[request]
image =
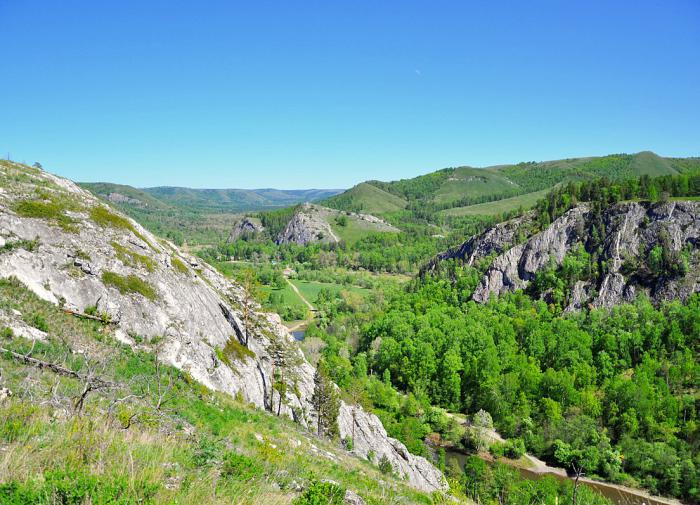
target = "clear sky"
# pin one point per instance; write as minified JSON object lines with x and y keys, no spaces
{"x":299,"y":94}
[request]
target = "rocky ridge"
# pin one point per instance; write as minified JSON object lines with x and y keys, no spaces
{"x":630,"y":231}
{"x":311,"y":223}
{"x":71,"y":250}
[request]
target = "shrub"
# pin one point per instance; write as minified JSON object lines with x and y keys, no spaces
{"x":129,"y":284}
{"x":321,"y":493}
{"x":237,"y":351}
{"x":37,"y":321}
{"x":385,"y":465}
{"x":206,"y":452}
{"x":240,"y":467}
{"x":515,"y":448}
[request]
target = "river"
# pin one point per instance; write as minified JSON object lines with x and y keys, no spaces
{"x":620,"y":495}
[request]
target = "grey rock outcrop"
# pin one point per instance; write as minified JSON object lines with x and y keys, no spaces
{"x":192,"y":311}
{"x":629,"y":231}
{"x":245,"y":227}
{"x":312,"y":223}
{"x":495,"y":240}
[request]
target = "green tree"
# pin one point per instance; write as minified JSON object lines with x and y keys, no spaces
{"x":326,"y":402}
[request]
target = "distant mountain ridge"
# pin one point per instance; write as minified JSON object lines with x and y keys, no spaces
{"x":210,"y":200}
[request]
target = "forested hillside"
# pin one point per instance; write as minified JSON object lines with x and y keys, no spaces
{"x":465,"y":186}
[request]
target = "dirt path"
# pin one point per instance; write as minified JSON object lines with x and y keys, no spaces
{"x":307,"y":321}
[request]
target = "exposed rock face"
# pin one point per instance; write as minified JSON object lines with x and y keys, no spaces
{"x":311,"y":223}
{"x":193,"y":309}
{"x":306,"y":226}
{"x":120,"y":198}
{"x":246,"y":226}
{"x":495,"y":240}
{"x":630,"y":231}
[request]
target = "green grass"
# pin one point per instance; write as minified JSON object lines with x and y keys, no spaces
{"x":468,"y":182}
{"x":52,"y":211}
{"x":648,"y":163}
{"x":366,"y":198}
{"x":108,"y":219}
{"x":354,"y":230}
{"x":499,"y":206}
{"x":178,"y":265}
{"x":126,"y":284}
{"x":27,"y":245}
{"x":133,"y":259}
{"x":311,"y":289}
{"x":289,"y":297}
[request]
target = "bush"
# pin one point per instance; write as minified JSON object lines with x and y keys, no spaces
{"x":321,"y":493}
{"x":38,"y":322}
{"x":240,"y":467}
{"x":385,"y":465}
{"x":236,"y":351}
{"x":129,"y":284}
{"x":206,"y":452}
{"x":515,"y":448}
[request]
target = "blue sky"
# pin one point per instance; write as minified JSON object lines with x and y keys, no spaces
{"x":327,"y":93}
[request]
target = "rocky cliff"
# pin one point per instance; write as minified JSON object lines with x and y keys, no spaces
{"x":245,"y":227}
{"x":314,"y":223}
{"x":624,"y":236}
{"x":73,"y":251}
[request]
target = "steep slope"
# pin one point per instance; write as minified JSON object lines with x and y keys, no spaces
{"x":72,"y":251}
{"x":314,"y":223}
{"x":645,"y":248}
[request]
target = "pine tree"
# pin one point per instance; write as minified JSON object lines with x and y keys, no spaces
{"x":326,"y":402}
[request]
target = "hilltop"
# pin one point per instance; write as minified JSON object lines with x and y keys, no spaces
{"x":457,"y":191}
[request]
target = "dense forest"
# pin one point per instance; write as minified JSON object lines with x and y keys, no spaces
{"x":612,"y":393}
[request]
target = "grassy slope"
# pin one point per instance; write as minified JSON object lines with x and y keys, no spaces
{"x":354,"y":229}
{"x":472,"y":182}
{"x":201,"y":447}
{"x":648,"y":163}
{"x":366,"y":198}
{"x":499,"y":206}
